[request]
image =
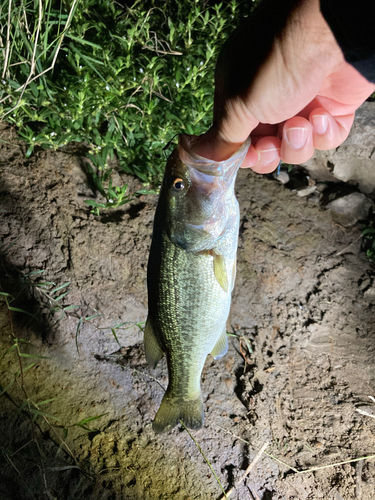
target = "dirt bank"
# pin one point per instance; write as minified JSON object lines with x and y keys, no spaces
{"x":304,"y":301}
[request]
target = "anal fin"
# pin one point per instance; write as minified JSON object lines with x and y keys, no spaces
{"x":221,"y":346}
{"x":153,"y":351}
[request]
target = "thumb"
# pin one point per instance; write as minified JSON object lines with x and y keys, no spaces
{"x":222,"y":140}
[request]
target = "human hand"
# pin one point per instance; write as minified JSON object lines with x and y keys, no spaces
{"x":286,"y":83}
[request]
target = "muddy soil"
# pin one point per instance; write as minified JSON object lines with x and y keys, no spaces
{"x":300,"y":364}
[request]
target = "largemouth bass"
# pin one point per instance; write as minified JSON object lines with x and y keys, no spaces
{"x":190,"y":276}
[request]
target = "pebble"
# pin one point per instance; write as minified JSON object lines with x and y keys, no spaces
{"x":282,"y":177}
{"x":321,"y":186}
{"x":306,"y":191}
{"x":351,"y":208}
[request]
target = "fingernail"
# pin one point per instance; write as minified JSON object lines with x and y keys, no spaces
{"x":268,"y":156}
{"x":320,"y":123}
{"x":297,"y":137}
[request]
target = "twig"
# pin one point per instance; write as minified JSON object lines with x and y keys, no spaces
{"x":118,"y":128}
{"x":363,"y":412}
{"x":247,"y":471}
{"x":158,"y":51}
{"x":254,"y":493}
{"x":358,"y":481}
{"x":352,"y":460}
{"x":33,"y":60}
{"x":225,"y":495}
{"x":346,"y":248}
{"x":268,"y":454}
{"x":8,"y":40}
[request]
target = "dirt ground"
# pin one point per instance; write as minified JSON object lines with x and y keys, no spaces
{"x":303,"y":304}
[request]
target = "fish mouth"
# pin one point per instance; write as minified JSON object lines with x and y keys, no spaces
{"x":224,"y":168}
{"x":210,"y":202}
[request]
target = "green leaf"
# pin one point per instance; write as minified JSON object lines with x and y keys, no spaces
{"x":6,"y":389}
{"x":69,"y":308}
{"x":43,"y":414}
{"x":32,"y":273}
{"x":60,"y":296}
{"x":28,"y":367}
{"x":83,"y":41}
{"x":14,"y":346}
{"x":46,"y":401}
{"x":114,"y":334}
{"x":93,"y":316}
{"x":83,"y":423}
{"x":36,"y":356}
{"x":17,"y":309}
{"x":94,"y":203}
{"x":60,"y":287}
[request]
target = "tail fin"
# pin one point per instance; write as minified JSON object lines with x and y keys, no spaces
{"x":173,"y":409}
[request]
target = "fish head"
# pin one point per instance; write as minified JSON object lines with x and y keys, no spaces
{"x":199,"y":195}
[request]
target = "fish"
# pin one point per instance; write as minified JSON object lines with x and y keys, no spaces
{"x":190,"y":276}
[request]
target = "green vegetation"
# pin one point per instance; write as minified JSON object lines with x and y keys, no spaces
{"x":120,"y":80}
{"x":368,"y":244}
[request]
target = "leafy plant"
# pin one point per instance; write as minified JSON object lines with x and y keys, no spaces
{"x":115,"y":196}
{"x":122,"y":80}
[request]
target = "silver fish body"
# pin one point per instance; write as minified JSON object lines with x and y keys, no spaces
{"x":190,"y":277}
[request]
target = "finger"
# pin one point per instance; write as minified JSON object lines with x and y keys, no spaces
{"x":334,"y":108}
{"x":251,"y":159}
{"x":214,"y":147}
{"x":227,"y":134}
{"x":297,"y":141}
{"x":265,"y":130}
{"x":263,"y":156}
{"x":328,"y":131}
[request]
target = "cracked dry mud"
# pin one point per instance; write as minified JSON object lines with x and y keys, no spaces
{"x":304,"y":300}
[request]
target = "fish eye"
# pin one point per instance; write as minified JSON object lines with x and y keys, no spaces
{"x":178,"y":184}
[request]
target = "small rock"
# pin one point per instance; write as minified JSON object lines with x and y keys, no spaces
{"x":335,"y":495}
{"x":282,"y":177}
{"x":321,"y":186}
{"x":311,"y":181}
{"x":350,"y":208}
{"x":228,"y":381}
{"x":369,"y":294}
{"x":306,"y":191}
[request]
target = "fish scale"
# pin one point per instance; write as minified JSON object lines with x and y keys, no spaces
{"x":190,"y":276}
{"x":197,"y":308}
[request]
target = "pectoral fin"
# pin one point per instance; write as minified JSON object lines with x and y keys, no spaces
{"x":234,"y":273}
{"x":221,"y":272}
{"x":153,"y":351}
{"x":221,"y":346}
